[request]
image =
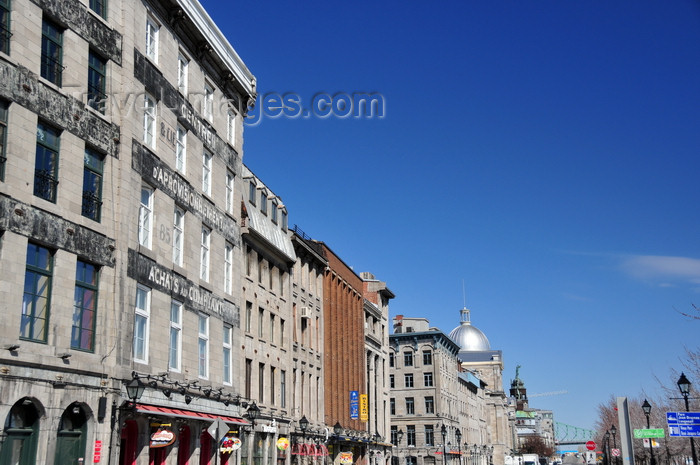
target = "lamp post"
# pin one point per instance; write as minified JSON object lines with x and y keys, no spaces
{"x":443,"y":430}
{"x":646,"y":407}
{"x":606,"y":447}
{"x":458,"y":435}
{"x":613,"y":431}
{"x":399,"y":436}
{"x":684,"y":386}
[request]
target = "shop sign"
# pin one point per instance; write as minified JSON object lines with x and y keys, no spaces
{"x":364,"y":408}
{"x":229,"y":444}
{"x":98,"y":452}
{"x":345,"y":458}
{"x":269,"y":429}
{"x":163,"y":437}
{"x":283,"y":443}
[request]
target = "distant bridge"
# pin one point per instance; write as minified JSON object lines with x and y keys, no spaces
{"x":571,"y":435}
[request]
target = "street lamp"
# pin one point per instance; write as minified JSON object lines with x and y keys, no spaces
{"x":337,"y":428}
{"x":253,"y":412}
{"x":458,"y":435}
{"x":606,"y":447}
{"x":684,"y":386}
{"x":135,"y":390}
{"x":443,"y":430}
{"x":303,"y":424}
{"x":646,"y":407}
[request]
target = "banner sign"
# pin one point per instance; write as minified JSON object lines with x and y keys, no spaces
{"x":354,"y":405}
{"x":162,"y":438}
{"x":364,"y":408}
{"x":345,"y":458}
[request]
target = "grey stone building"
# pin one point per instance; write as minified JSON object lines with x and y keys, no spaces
{"x":120,"y":233}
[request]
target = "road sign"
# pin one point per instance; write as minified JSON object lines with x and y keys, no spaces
{"x":683,"y":424}
{"x":616,"y":452}
{"x":649,"y":433}
{"x":217,"y":429}
{"x":590,"y":445}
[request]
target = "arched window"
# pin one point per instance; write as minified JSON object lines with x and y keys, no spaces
{"x":72,"y":435}
{"x":22,"y":429}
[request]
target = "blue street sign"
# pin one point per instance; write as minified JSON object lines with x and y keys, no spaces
{"x":683,"y":424}
{"x":354,"y":405}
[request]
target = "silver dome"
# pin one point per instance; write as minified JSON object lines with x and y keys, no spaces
{"x":468,"y":337}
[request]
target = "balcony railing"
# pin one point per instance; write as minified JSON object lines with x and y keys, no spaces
{"x":45,"y":185}
{"x":92,"y":205}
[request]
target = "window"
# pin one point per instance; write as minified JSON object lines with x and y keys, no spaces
{"x":392,"y":406}
{"x":208,"y":101}
{"x":229,"y":192}
{"x":408,"y":380}
{"x":206,"y":173}
{"x":178,"y":235}
{"x":37,"y":293}
{"x":429,"y":404}
{"x":206,"y":238}
{"x":273,"y":387}
{"x":261,"y":321}
{"x":84,"y":307}
{"x":203,"y":346}
{"x":181,"y":150}
{"x":428,"y":379}
{"x":251,"y":193}
{"x":3,"y":133}
{"x":149,"y":121}
{"x":152,"y":28}
{"x":261,"y":382}
{"x":391,"y":381}
{"x":248,"y":315}
{"x":182,"y":69}
{"x":99,"y":7}
{"x":273,"y":211}
{"x":283,"y":388}
{"x":46,"y":165}
{"x":228,"y":268}
{"x":141,"y":323}
{"x":284,"y":220}
{"x":5,"y":33}
{"x":263,"y":203}
{"x":146,"y":217}
{"x":411,"y":435}
{"x":272,"y":328}
{"x":281,"y":331}
{"x":51,"y":52}
{"x":228,"y":331}
{"x":231,"y":127}
{"x":394,"y":435}
{"x":175,"y":336}
{"x":97,"y":82}
{"x":408,"y":359}
{"x":410,"y":406}
{"x":429,"y":435}
{"x":391,"y":359}
{"x":427,"y":357}
{"x":92,"y":184}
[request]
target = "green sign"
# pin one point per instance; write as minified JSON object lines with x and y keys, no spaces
{"x":649,"y":433}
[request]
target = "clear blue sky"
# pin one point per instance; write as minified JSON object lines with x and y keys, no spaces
{"x":543,"y":153}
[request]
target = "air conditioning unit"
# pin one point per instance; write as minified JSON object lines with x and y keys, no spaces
{"x":305,"y":312}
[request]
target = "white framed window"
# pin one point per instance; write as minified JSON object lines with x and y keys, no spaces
{"x":149,"y":121}
{"x":146,"y":217}
{"x":142,"y":313}
{"x":206,"y":172}
{"x":178,"y":235}
{"x":208,"y":109}
{"x":152,"y":30}
{"x":203,"y":346}
{"x":206,"y":239}
{"x":181,"y":150}
{"x":182,"y":70}
{"x":228,"y":336}
{"x":231,"y":127}
{"x":228,"y":268}
{"x":174,"y":357}
{"x":229,"y":192}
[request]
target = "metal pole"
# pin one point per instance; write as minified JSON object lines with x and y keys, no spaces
{"x":692,"y":443}
{"x":651,"y":448}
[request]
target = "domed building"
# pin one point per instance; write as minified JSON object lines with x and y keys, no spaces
{"x":477,"y":357}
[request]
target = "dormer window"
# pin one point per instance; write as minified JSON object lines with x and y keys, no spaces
{"x":284,"y":220}
{"x":263,"y":202}
{"x":273,"y":213}
{"x":251,"y":193}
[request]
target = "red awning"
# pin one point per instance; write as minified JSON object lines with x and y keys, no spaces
{"x":178,"y":413}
